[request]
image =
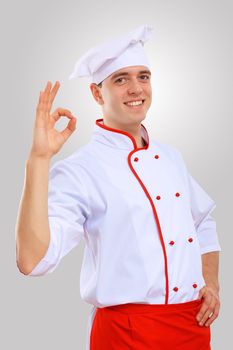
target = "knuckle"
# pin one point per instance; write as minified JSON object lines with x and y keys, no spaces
{"x":68,"y":113}
{"x":60,"y":109}
{"x":67,"y":110}
{"x":42,"y":103}
{"x":39,"y":108}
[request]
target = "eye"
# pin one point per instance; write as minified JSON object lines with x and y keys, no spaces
{"x":118,"y":80}
{"x":144,"y":75}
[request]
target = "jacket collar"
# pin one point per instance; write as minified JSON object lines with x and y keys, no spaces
{"x":117,"y":138}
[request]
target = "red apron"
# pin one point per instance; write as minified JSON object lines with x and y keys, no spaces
{"x":149,"y":327}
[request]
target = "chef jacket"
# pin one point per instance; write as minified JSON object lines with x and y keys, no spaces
{"x":144,"y":219}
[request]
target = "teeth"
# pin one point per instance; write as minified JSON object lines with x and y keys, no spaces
{"x":136,"y":103}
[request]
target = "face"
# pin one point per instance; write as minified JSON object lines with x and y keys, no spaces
{"x":123,"y":86}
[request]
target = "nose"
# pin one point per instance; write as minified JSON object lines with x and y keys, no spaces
{"x":135,"y":87}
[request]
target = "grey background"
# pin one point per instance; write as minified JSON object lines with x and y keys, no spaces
{"x":191,"y":55}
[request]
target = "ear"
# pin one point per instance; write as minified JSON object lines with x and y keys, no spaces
{"x":96,"y":92}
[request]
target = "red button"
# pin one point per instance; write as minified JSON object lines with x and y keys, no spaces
{"x":171,"y":243}
{"x":194,"y":285}
{"x":177,"y":194}
{"x":175,"y":289}
{"x":190,"y":239}
{"x":158,"y":197}
{"x":156,"y":156}
{"x":136,"y":159}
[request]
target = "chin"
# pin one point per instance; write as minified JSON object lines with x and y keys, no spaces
{"x":138,"y":118}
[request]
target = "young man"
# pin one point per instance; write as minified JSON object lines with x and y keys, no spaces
{"x":150,"y":266}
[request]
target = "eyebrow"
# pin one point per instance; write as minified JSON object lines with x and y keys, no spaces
{"x":126,"y":73}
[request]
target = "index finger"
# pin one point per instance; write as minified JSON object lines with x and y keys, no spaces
{"x":204,"y":307}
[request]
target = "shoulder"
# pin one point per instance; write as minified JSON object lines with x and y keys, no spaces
{"x":75,"y":160}
{"x":70,"y":170}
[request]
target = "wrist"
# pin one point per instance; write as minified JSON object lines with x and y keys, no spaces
{"x":32,"y":158}
{"x":213,"y":285}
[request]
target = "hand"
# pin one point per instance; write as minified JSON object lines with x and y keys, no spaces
{"x":47,"y":141}
{"x":210,"y":307}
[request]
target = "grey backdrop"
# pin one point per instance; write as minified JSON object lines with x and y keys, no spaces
{"x":191,"y":55}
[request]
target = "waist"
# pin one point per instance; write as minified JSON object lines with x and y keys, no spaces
{"x":131,"y":308}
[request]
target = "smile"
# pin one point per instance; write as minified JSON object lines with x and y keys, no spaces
{"x":134,"y":104}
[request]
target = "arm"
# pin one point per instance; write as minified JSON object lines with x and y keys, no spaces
{"x":202,"y":206}
{"x":209,"y":310}
{"x":210,"y":266}
{"x":32,"y":226}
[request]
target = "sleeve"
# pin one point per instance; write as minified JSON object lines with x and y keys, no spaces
{"x":201,"y":206}
{"x":67,"y":212}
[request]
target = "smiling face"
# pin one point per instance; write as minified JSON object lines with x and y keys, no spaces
{"x":119,"y":89}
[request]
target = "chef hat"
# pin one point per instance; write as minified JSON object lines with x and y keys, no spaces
{"x":102,"y":60}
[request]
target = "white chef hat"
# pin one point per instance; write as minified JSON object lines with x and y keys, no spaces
{"x":102,"y":60}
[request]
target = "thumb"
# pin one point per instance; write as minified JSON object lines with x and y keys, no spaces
{"x":201,"y":293}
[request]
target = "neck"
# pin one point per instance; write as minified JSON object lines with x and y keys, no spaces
{"x":133,"y":130}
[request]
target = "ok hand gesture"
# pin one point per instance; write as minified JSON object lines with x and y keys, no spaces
{"x":47,"y":141}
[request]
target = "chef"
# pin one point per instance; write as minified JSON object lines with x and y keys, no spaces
{"x":151,"y":247}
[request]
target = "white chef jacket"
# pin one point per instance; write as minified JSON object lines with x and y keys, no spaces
{"x":144,"y":219}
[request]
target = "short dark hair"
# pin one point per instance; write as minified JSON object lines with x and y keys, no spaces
{"x":100,"y":84}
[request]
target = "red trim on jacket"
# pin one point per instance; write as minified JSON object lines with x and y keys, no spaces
{"x":122,"y":132}
{"x":147,"y":194}
{"x":157,"y":222}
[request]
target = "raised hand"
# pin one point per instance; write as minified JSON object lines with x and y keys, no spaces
{"x":47,"y":141}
